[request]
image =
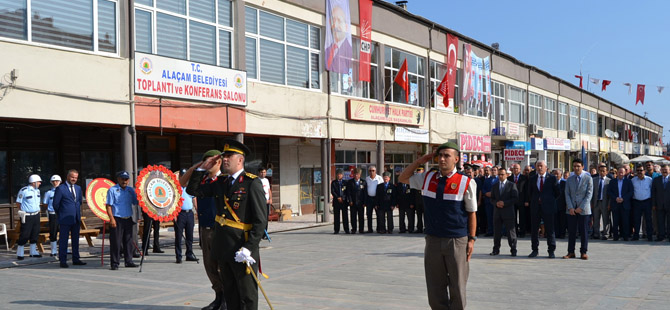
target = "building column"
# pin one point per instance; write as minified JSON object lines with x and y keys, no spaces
{"x":380,"y":157}
{"x":325,"y":180}
{"x":127,"y":151}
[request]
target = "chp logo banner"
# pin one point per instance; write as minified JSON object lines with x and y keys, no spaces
{"x":514,"y":154}
{"x":384,"y":113}
{"x":474,"y":143}
{"x":168,"y":77}
{"x":96,"y":197}
{"x":159,"y":193}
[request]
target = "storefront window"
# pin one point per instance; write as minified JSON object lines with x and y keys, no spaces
{"x":347,"y":160}
{"x":25,"y":163}
{"x":396,"y":163}
{"x":4,"y":178}
{"x":96,"y":165}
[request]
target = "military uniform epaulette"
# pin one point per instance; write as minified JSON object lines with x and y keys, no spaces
{"x":250,"y":175}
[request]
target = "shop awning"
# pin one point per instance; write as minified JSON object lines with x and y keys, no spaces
{"x":646,"y":158}
{"x":618,"y":158}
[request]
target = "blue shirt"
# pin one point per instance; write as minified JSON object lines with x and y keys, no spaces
{"x":29,"y":198}
{"x":121,"y":200}
{"x":49,"y":199}
{"x":641,"y":188}
{"x":187,"y":204}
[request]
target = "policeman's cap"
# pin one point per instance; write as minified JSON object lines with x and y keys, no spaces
{"x":235,"y":147}
{"x":34,"y":178}
{"x":123,"y":175}
{"x":467,"y":166}
{"x":55,"y":177}
{"x":420,"y":169}
{"x":210,"y":153}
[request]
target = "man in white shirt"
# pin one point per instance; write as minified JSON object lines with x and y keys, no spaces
{"x":372,"y":180}
{"x":262,"y":174}
{"x":642,"y":203}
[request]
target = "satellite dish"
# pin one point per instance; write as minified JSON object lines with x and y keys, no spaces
{"x":616,"y":135}
{"x":608,"y":133}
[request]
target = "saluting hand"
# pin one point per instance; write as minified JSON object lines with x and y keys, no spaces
{"x":426,"y":158}
{"x":209,"y":162}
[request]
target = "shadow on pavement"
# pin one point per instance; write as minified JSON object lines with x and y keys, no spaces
{"x":97,"y":305}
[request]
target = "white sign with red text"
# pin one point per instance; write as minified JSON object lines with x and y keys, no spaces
{"x":168,"y":77}
{"x":474,"y":143}
{"x":514,"y":154}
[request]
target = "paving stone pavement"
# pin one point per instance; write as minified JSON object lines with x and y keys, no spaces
{"x":315,"y":269}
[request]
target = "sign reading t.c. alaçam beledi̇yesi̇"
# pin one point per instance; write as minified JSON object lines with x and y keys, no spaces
{"x":168,"y":77}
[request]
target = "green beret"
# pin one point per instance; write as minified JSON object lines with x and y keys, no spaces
{"x":448,"y":145}
{"x":210,"y":153}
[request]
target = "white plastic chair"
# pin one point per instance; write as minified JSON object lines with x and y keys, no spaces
{"x":3,"y":231}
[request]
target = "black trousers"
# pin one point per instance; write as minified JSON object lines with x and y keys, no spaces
{"x":340,"y":211}
{"x":53,"y":227}
{"x":419,"y":218}
{"x":524,"y":215}
{"x":147,"y":229}
{"x":406,"y":212}
{"x":369,"y":206}
{"x":65,"y":232}
{"x":357,"y":217}
{"x":510,"y":224}
{"x":384,"y":219}
{"x":184,"y":227}
{"x":537,"y":213}
{"x":239,"y":288}
{"x":581,"y":223}
{"x":30,"y":230}
{"x":122,"y":235}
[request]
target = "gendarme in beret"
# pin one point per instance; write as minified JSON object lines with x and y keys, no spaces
{"x":234,"y":146}
{"x":448,"y":145}
{"x":210,"y":153}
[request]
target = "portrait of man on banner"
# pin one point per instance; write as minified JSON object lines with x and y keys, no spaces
{"x":338,"y":36}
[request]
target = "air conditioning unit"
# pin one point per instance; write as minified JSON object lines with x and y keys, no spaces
{"x":532,"y":129}
{"x":572,"y":134}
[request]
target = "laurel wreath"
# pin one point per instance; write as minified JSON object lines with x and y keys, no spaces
{"x":147,"y":207}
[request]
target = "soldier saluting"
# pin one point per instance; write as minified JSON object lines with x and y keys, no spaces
{"x":241,"y":219}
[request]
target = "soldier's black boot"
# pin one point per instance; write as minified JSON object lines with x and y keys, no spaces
{"x":216,"y":303}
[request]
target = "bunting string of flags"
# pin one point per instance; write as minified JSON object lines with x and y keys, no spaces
{"x":640,"y":88}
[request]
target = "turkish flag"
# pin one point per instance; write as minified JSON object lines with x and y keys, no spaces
{"x":452,"y":59}
{"x":605,"y":83}
{"x":442,"y":90}
{"x":402,"y":80}
{"x":640,"y":94}
{"x":580,"y":80}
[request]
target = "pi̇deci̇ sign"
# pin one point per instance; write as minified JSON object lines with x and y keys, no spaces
{"x":168,"y":77}
{"x":474,"y":143}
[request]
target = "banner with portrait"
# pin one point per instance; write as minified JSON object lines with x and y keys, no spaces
{"x":338,"y":36}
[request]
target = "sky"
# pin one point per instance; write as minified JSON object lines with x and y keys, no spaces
{"x":621,"y":41}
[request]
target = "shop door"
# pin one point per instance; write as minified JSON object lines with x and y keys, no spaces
{"x":310,"y":189}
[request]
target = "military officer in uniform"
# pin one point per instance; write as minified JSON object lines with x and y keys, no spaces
{"x":28,"y":202}
{"x":241,"y":219}
{"x":53,"y":218}
{"x":357,"y":192}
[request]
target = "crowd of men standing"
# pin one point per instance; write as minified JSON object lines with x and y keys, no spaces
{"x":516,"y":202}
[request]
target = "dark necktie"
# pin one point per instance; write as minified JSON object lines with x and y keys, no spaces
{"x":579,"y":179}
{"x":665,"y":182}
{"x":516,"y":179}
{"x":72,"y":190}
{"x":541,"y":182}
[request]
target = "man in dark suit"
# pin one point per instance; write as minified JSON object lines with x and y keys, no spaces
{"x":504,"y":196}
{"x":338,"y":189}
{"x":67,"y":204}
{"x":357,"y":193}
{"x":405,"y":201}
{"x":660,"y":201}
{"x":620,"y":193}
{"x":543,"y":193}
{"x":521,"y":182}
{"x":560,"y":223}
{"x":600,"y":203}
{"x":385,"y":203}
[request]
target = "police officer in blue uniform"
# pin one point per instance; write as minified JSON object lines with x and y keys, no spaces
{"x":184,"y":225}
{"x":28,"y":202}
{"x":120,"y":200}
{"x":53,"y":218}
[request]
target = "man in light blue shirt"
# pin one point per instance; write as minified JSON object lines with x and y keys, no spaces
{"x":53,"y":218}
{"x":28,"y":202}
{"x":184,"y":225}
{"x":642,"y":203}
{"x":120,"y":200}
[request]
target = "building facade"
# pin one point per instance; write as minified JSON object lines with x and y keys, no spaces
{"x":69,"y":97}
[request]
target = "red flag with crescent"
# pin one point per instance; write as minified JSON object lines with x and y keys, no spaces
{"x":365,"y":24}
{"x":605,"y":84}
{"x":402,"y":80}
{"x":580,"y":80}
{"x":640,"y":94}
{"x":452,"y":59}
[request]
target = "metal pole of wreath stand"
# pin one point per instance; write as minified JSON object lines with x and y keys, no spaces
{"x":145,"y":242}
